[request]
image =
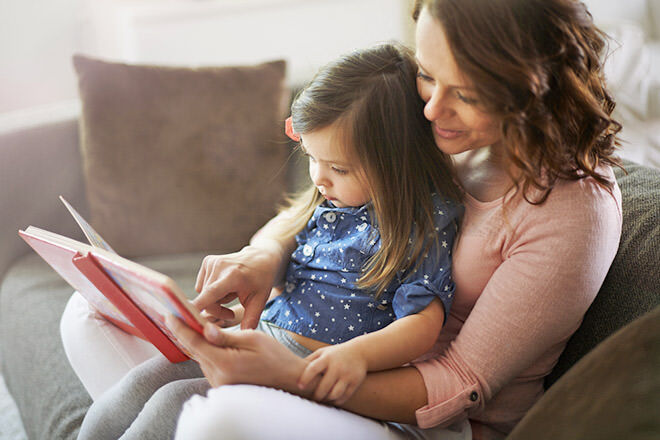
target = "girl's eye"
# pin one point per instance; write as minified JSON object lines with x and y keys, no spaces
{"x":465,"y":99}
{"x":340,"y":171}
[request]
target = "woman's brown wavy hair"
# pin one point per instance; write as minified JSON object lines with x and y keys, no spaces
{"x":536,"y":66}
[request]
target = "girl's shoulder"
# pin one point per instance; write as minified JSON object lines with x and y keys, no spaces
{"x":446,"y":206}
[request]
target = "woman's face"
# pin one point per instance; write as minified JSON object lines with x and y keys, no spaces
{"x":452,"y":105}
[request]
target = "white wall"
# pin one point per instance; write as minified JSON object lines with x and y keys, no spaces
{"x":38,"y":37}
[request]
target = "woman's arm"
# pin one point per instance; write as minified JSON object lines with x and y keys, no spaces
{"x":255,"y":358}
{"x":247,"y":275}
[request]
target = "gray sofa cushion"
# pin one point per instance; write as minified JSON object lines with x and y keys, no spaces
{"x":631,"y":287}
{"x":49,"y":396}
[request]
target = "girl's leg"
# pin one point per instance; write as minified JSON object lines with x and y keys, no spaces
{"x":243,"y":412}
{"x":99,"y":352}
{"x":154,"y":384}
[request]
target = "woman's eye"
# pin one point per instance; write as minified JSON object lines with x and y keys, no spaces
{"x":465,"y":99}
{"x":423,"y":76}
{"x":340,"y":171}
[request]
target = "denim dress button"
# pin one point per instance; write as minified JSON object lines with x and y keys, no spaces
{"x":330,"y":217}
{"x":307,"y":250}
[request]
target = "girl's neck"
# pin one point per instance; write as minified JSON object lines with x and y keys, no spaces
{"x":482,"y":173}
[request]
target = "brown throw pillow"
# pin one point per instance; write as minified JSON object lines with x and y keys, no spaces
{"x":612,"y":393}
{"x":181,"y":159}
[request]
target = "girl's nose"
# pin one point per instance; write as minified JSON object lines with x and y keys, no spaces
{"x":319,"y":177}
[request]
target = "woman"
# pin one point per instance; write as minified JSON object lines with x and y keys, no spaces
{"x":514,"y":91}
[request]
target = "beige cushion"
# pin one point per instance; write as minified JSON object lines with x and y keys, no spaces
{"x":181,"y":159}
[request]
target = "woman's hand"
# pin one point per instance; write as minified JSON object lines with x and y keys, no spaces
{"x":247,"y":275}
{"x":233,"y":316}
{"x":246,"y":356}
{"x":340,"y":369}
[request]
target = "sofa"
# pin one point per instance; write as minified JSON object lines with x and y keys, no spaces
{"x":134,"y":159}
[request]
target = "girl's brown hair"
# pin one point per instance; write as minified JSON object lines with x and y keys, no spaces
{"x":536,"y":66}
{"x":371,"y":95}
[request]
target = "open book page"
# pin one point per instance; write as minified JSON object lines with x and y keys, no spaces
{"x":92,"y":236}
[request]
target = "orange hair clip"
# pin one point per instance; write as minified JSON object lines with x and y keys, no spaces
{"x":288,"y":128}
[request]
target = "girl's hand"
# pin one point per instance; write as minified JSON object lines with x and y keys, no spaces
{"x":247,"y":275}
{"x":341,"y":368}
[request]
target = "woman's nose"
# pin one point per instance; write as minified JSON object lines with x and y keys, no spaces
{"x":437,"y":107}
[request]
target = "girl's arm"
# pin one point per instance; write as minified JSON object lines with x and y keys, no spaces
{"x":342,"y":367}
{"x":247,"y":275}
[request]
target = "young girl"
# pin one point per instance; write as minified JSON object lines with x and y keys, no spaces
{"x":369,"y":285}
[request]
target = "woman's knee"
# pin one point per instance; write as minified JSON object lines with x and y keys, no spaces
{"x":228,"y":410}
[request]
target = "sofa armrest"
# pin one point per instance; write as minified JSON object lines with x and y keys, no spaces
{"x":39,"y":160}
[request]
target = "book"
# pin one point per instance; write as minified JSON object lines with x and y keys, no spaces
{"x":133,"y":297}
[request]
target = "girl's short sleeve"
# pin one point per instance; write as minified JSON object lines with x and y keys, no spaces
{"x":431,"y":278}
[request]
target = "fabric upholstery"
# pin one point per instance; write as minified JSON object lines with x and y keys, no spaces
{"x":179,"y":159}
{"x":613,"y":393}
{"x":51,"y":400}
{"x":631,"y":287}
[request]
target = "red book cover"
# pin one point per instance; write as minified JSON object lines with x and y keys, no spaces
{"x":131,"y":296}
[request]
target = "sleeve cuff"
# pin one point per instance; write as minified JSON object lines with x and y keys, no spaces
{"x":449,"y":400}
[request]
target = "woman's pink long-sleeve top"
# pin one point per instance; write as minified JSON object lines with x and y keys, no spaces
{"x":525,"y":275}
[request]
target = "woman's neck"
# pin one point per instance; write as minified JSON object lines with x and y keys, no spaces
{"x":482,"y":173}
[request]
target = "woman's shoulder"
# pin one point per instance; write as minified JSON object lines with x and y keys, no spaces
{"x":587,"y":194}
{"x":583,"y":201}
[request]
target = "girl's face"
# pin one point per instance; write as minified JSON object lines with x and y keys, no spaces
{"x":451,"y":102}
{"x":339,"y":179}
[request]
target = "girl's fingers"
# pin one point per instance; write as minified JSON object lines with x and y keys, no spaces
{"x":312,"y":370}
{"x":323,"y":388}
{"x":337,"y":391}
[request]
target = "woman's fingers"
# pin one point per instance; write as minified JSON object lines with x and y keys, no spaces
{"x":219,"y":312}
{"x":186,"y":336}
{"x":201,"y":276}
{"x":225,"y":284}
